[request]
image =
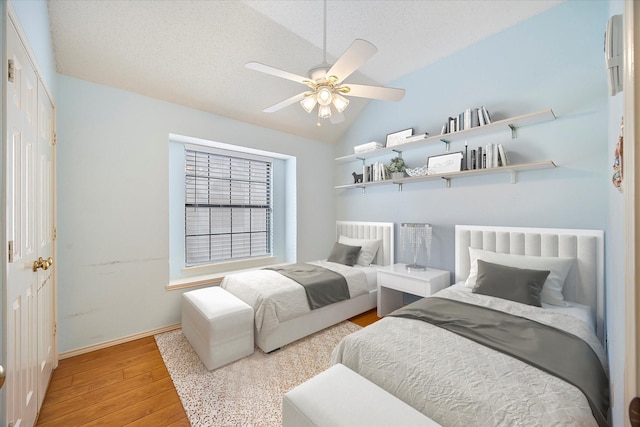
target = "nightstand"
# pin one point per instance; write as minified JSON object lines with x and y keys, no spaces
{"x":394,"y":280}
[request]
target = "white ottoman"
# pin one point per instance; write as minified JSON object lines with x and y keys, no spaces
{"x":218,"y":325}
{"x":339,"y":397}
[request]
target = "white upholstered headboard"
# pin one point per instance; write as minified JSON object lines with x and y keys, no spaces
{"x":585,"y":282}
{"x":371,"y":230}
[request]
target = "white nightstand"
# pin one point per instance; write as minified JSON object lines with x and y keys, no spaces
{"x":393,"y":280}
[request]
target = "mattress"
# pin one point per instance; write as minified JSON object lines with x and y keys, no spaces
{"x":371,"y":274}
{"x":457,"y":382}
{"x":277,"y":299}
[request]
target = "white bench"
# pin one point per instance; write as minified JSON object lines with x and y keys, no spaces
{"x":218,"y":325}
{"x":340,"y":397}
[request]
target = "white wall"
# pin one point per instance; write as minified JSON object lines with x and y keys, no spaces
{"x":554,"y":60}
{"x":113,"y":231}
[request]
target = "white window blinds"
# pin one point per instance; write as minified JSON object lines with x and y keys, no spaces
{"x":227,"y":207}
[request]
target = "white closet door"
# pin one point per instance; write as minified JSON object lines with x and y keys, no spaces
{"x":29,"y":285}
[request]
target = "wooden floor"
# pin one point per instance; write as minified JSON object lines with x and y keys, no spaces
{"x":123,"y":385}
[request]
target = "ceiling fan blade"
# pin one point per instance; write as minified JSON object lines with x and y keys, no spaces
{"x":357,"y":54}
{"x":375,"y":92}
{"x":285,"y":103}
{"x":275,"y":72}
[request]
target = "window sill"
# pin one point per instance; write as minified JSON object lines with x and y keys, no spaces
{"x":214,"y":278}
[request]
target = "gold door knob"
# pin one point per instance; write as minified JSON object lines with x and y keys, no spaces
{"x":42,"y":263}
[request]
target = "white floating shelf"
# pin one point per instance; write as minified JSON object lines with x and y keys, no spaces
{"x":510,"y":169}
{"x":510,"y":124}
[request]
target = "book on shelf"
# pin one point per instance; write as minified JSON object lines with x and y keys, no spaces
{"x":468,"y":119}
{"x":489,"y":156}
{"x":485,"y":113}
{"x":369,"y":146}
{"x":504,"y":161}
{"x":374,"y":172}
{"x":414,"y":138}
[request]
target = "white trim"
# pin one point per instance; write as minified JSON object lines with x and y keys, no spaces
{"x":189,"y":140}
{"x":632,"y":210}
{"x":106,"y":344}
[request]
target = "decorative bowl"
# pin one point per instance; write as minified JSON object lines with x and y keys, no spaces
{"x":421,"y":171}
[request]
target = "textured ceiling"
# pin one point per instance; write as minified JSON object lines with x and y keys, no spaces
{"x":192,"y":52}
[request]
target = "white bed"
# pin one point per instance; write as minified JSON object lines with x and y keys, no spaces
{"x":458,"y":382}
{"x":292,"y":319}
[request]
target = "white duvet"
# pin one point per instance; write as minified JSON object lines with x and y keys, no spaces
{"x":276,"y":298}
{"x":457,"y":382}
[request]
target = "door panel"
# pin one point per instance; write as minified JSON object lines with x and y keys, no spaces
{"x":44,"y":219}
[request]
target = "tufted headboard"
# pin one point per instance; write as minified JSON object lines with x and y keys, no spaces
{"x":371,"y":230}
{"x":585,"y":281}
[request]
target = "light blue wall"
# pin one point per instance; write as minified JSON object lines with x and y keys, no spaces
{"x":554,"y":60}
{"x":113,"y":220}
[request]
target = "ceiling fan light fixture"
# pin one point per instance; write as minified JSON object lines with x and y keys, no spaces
{"x":324,"y":95}
{"x":309,"y":103}
{"x":340,"y":102}
{"x":324,"y":111}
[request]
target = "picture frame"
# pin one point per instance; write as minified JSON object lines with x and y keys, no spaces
{"x":443,"y":163}
{"x":398,"y":138}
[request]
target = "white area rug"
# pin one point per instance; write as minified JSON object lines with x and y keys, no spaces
{"x":247,"y":392}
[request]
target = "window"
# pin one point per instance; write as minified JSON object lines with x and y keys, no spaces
{"x":228,"y":207}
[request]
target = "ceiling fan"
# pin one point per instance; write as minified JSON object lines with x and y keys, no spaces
{"x":326,"y":81}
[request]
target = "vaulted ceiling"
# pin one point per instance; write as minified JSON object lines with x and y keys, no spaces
{"x":193,"y":52}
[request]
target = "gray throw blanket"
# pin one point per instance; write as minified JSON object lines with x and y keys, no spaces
{"x":323,"y":286}
{"x":552,"y":350}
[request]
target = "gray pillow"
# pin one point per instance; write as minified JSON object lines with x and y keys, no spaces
{"x":515,"y":284}
{"x":344,"y":254}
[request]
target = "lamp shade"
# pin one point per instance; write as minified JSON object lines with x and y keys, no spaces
{"x":324,"y":111}
{"x":309,"y":103}
{"x":340,"y":102}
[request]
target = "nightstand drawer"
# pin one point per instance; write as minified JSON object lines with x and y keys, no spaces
{"x":413,"y":285}
{"x":395,"y":280}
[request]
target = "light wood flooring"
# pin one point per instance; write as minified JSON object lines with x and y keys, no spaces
{"x":123,"y":385}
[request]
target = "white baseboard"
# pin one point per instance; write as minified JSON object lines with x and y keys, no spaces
{"x":123,"y":340}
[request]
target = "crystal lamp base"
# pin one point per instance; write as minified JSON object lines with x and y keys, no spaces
{"x":416,"y":267}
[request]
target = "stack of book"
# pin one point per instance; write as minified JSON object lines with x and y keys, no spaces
{"x":369,"y":146}
{"x":469,"y":118}
{"x":374,"y":172}
{"x":489,"y":156}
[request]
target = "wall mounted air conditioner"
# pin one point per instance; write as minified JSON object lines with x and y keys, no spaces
{"x":613,"y":53}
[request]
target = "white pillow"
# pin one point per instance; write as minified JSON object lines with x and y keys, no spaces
{"x":368,"y":250}
{"x":552,"y":289}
